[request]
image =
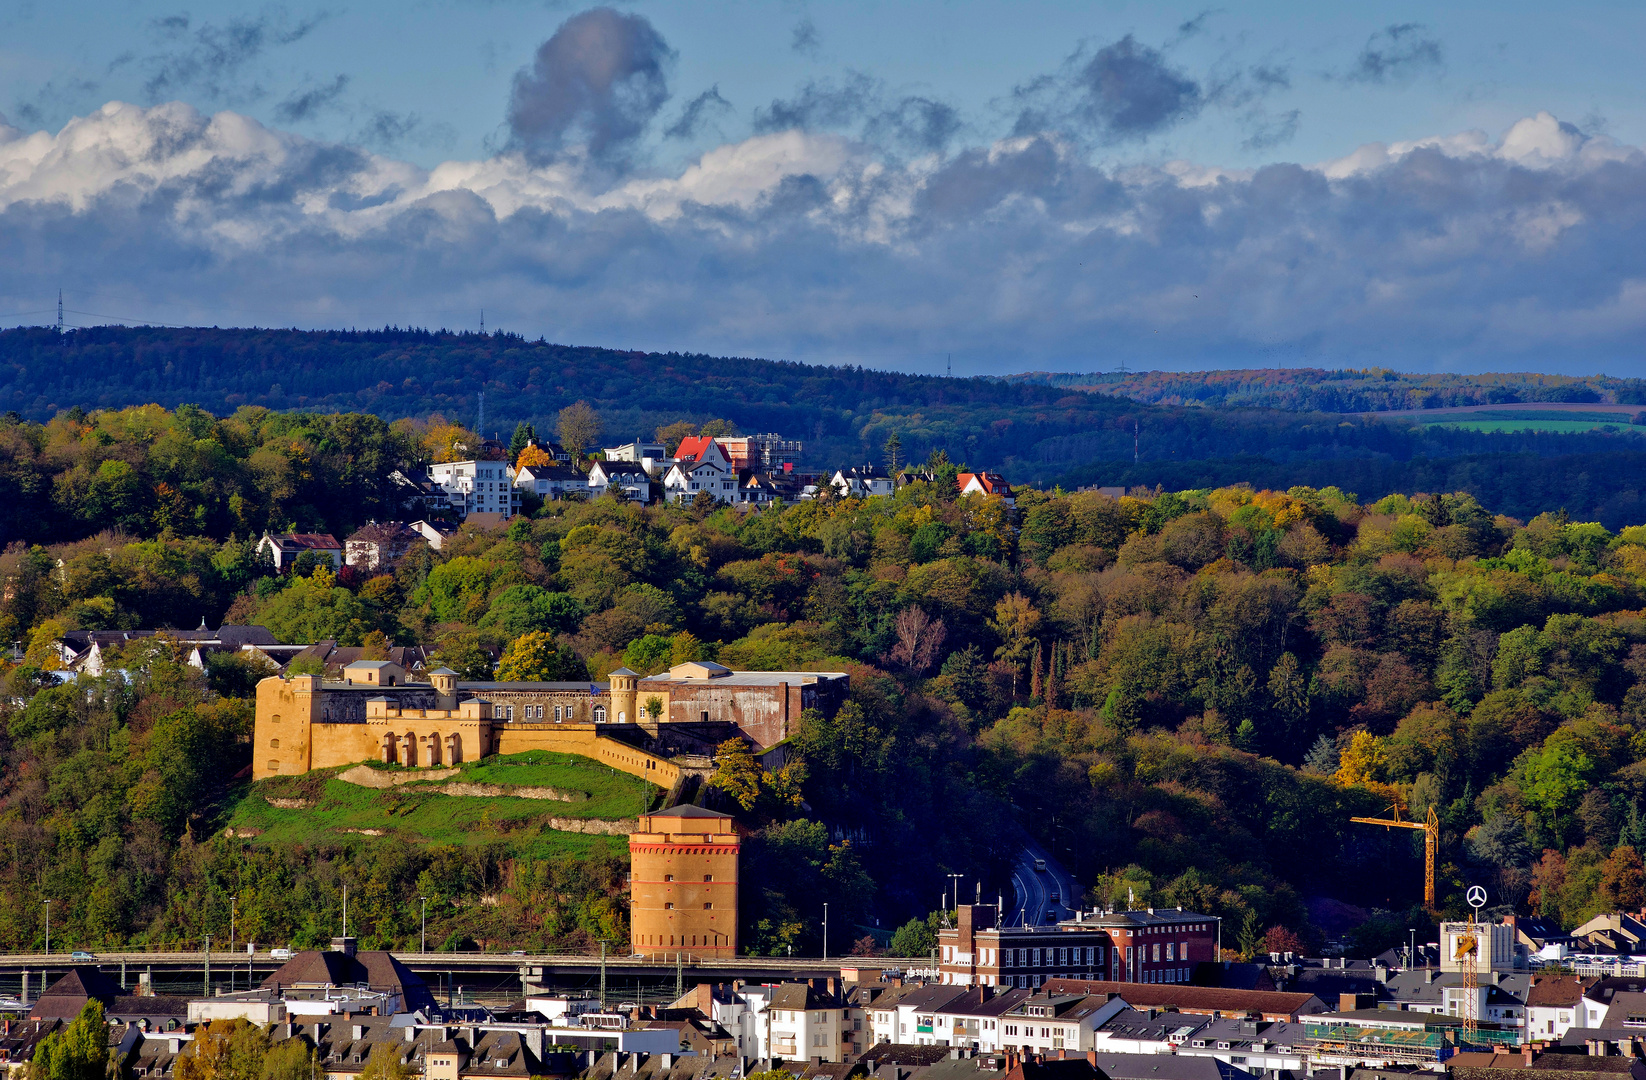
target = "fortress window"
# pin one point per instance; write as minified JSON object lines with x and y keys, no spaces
{"x":668,"y":877}
{"x":708,"y":877}
{"x":274,"y":766}
{"x":708,"y":907}
{"x":668,"y":907}
{"x":274,"y":744}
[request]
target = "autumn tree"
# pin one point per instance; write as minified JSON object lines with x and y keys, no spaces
{"x":579,"y":427}
{"x":524,"y":434}
{"x":1016,"y":621}
{"x":919,"y":640}
{"x":533,"y":457}
{"x":536,"y":657}
{"x":225,"y":1050}
{"x":737,"y":773}
{"x":446,"y":441}
{"x":672,"y":435}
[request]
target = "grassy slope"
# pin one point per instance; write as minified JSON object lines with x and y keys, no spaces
{"x":416,"y":815}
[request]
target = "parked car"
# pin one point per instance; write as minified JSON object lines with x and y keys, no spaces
{"x":81,"y":955}
{"x":280,"y":954}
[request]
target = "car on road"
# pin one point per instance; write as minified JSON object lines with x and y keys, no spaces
{"x":1040,"y":865}
{"x":81,"y":954}
{"x":279,"y":954}
{"x":1051,"y":918}
{"x":518,"y":952}
{"x":1056,"y":898}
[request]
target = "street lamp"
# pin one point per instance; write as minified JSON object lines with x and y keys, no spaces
{"x":825,"y":929}
{"x":956,"y":878}
{"x":423,"y":942}
{"x":232,"y":901}
{"x":48,"y":926}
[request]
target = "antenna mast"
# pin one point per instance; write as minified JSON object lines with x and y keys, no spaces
{"x":480,"y":416}
{"x":482,"y":320}
{"x":59,"y":311}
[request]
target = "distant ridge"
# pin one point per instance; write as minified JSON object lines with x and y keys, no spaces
{"x":1348,"y":390}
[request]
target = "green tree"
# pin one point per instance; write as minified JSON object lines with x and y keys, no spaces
{"x":913,"y":938}
{"x":78,"y":1052}
{"x":737,"y":773}
{"x":579,"y":427}
{"x":289,"y":1059}
{"x":1553,"y":781}
{"x":524,"y":434}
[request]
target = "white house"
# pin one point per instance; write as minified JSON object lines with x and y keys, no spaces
{"x":631,"y":477}
{"x":435,"y":532}
{"x":648,"y":455}
{"x":974,"y":1018}
{"x":286,"y":549}
{"x":707,"y":468}
{"x":1049,"y":1023}
{"x":477,"y":487}
{"x":1555,"y":1004}
{"x":862,"y":481}
{"x":805,"y":1023}
{"x":985,"y":483}
{"x":550,"y":482}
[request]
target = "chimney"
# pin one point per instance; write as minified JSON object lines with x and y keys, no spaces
{"x":1091,"y":1058}
{"x":705,"y":997}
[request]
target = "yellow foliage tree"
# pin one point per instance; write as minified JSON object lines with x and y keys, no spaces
{"x":451,"y":442}
{"x":1365,"y":761}
{"x":533,"y":455}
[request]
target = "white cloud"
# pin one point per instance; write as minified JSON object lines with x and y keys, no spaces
{"x":1018,"y":253}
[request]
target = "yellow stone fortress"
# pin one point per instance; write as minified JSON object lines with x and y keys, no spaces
{"x":646,"y":726}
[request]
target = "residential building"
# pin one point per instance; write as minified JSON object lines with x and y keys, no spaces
{"x":284,"y":550}
{"x":1134,"y":1031}
{"x":683,"y":885}
{"x":1499,"y":996}
{"x":435,"y":532}
{"x":1155,"y":1067}
{"x":1257,"y":1046}
{"x":1198,"y":1000}
{"x":974,"y":1019}
{"x":700,"y":465}
{"x":337,"y":659}
{"x":84,"y":651}
{"x":768,"y":452}
{"x":1554,"y":1005}
{"x":379,"y":545}
{"x":1057,"y":1023}
{"x":551,"y":482}
{"x":1615,"y":932}
{"x":805,"y":1020}
{"x":1159,"y":945}
{"x":985,"y":483}
{"x":862,"y":481}
{"x":346,"y":968}
{"x":649,"y":455}
{"x":627,"y":476}
{"x":476,"y":487}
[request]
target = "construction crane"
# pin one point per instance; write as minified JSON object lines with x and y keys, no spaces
{"x":1431,"y":845}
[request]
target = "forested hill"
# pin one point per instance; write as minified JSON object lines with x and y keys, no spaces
{"x":1352,"y":390}
{"x":1031,"y":431}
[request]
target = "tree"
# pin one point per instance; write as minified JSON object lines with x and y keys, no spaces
{"x":919,"y":639}
{"x":78,"y":1052}
{"x":672,"y":435}
{"x":225,"y":1050}
{"x":1278,"y":939}
{"x":913,"y":938}
{"x":1016,"y":620}
{"x":1250,"y":939}
{"x":386,"y":1064}
{"x":524,"y":434}
{"x":737,"y":773}
{"x":536,"y":657}
{"x":1321,"y":759}
{"x":579,"y":427}
{"x":533,"y":456}
{"x":1364,"y":761}
{"x":894,"y":452}
{"x":449,"y":442}
{"x":1623,"y":880}
{"x":289,"y":1059}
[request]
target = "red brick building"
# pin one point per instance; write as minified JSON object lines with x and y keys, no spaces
{"x":1157,"y":945}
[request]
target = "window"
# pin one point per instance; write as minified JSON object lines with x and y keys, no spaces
{"x":668,"y":907}
{"x":557,"y":714}
{"x":1171,"y":951}
{"x":708,"y":877}
{"x":274,"y":744}
{"x":668,"y":877}
{"x":708,"y":907}
{"x":274,"y":766}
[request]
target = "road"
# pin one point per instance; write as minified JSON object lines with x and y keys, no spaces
{"x":1035,"y":888}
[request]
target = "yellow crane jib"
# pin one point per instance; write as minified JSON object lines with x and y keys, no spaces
{"x":1431,"y":844}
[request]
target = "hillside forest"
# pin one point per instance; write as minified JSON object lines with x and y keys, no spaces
{"x":1184,"y":694}
{"x":302,"y":400}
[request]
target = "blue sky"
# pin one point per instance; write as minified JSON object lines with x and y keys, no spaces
{"x":1025,"y":185}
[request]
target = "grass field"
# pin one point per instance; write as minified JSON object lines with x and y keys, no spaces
{"x":1562,"y":421}
{"x":337,"y":811}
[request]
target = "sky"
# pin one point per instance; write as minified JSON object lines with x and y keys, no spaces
{"x":999,"y":187}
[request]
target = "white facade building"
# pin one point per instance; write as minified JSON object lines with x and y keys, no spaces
{"x":477,"y":487}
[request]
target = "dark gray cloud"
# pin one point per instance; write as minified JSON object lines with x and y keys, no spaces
{"x":302,"y":105}
{"x":866,"y":107}
{"x":597,"y":82}
{"x":805,"y":39}
{"x":211,"y":59}
{"x":698,"y":114}
{"x":1025,"y":251}
{"x":1129,"y":91}
{"x":1397,"y":52}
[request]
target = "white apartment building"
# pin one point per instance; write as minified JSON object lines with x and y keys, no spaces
{"x":477,"y":487}
{"x":1049,"y":1023}
{"x":648,"y":455}
{"x":805,"y":1023}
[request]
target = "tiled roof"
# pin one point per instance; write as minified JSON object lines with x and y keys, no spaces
{"x":1554,"y":991}
{"x":1187,"y":998}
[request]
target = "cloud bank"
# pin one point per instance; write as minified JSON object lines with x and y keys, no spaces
{"x":1464,"y":250}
